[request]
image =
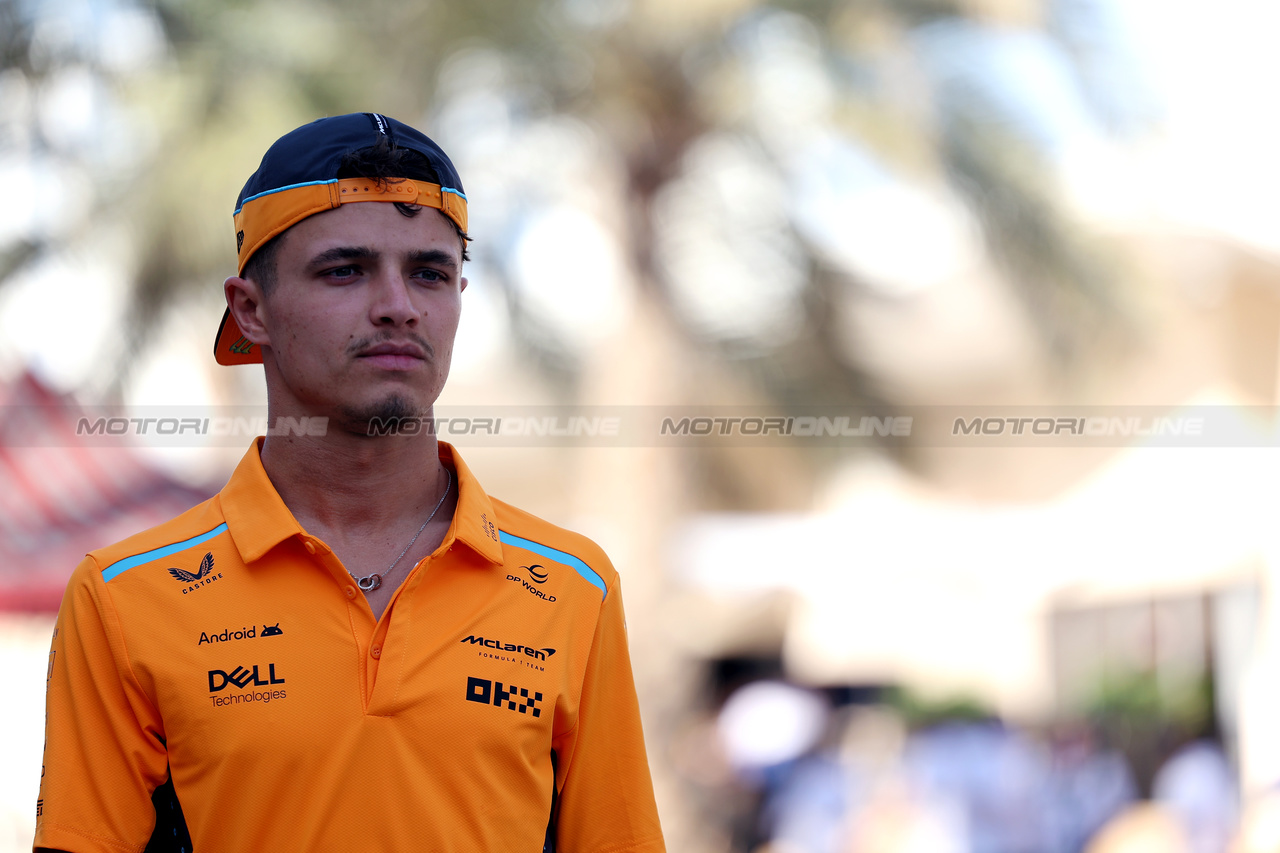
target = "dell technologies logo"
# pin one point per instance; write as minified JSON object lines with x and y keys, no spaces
{"x":246,"y":680}
{"x":242,"y":678}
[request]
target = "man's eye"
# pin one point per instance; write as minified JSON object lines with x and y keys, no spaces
{"x":430,"y":275}
{"x":341,"y":272}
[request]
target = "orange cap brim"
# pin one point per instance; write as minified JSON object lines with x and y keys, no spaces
{"x":270,"y":214}
{"x":232,"y":347}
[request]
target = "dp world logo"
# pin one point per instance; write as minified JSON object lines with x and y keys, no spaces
{"x":535,"y":573}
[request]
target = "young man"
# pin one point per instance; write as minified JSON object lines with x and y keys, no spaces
{"x":351,"y":647}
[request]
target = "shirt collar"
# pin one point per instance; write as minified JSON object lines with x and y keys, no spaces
{"x":475,"y":524}
{"x":258,"y":519}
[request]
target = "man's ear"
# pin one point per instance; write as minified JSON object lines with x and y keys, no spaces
{"x":464,"y":284}
{"x":245,"y":302}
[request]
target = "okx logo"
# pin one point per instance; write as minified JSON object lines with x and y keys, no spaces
{"x":487,"y":692}
{"x":242,"y":678}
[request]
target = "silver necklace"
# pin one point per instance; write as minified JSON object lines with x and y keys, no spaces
{"x":371,"y":582}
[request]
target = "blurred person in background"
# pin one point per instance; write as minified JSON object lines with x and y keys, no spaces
{"x":1198,"y":786}
{"x":352,"y":646}
{"x":829,"y":790}
{"x":1088,"y":785}
{"x":968,"y":784}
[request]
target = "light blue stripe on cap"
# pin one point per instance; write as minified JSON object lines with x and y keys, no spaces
{"x":458,"y":193}
{"x":282,"y":189}
{"x":559,"y":556}
{"x":129,"y":562}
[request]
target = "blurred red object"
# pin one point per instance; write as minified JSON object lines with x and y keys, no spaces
{"x":61,"y":497}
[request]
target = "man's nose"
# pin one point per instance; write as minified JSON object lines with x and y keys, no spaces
{"x":392,"y":302}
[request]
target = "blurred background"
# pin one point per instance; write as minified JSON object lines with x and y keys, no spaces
{"x":863,"y":645}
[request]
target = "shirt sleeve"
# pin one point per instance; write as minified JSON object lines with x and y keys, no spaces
{"x":606,"y":800}
{"x":104,"y":748}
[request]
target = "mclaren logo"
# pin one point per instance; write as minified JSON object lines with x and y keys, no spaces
{"x":498,"y":645}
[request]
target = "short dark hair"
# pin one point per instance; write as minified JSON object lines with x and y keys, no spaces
{"x":383,"y":163}
{"x":261,"y":266}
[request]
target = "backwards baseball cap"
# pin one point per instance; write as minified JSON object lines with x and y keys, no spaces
{"x":298,"y":177}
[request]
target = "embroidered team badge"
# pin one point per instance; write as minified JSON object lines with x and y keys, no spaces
{"x":206,"y":569}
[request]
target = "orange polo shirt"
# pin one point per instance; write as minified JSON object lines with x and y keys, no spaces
{"x":230,"y":651}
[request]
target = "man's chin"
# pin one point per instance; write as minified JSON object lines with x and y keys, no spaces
{"x":385,"y":417}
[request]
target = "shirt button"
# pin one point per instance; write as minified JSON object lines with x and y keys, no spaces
{"x":311,"y":547}
{"x":376,"y":652}
{"x":351,"y":592}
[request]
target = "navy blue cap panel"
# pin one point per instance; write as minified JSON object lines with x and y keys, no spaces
{"x":314,"y":152}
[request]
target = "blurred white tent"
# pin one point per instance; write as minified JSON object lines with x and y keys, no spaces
{"x":896,"y":582}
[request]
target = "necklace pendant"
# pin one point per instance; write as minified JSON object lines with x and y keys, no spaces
{"x":370,"y":583}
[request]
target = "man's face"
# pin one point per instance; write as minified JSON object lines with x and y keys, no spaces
{"x":363,"y":312}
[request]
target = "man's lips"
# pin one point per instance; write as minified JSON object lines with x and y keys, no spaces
{"x":395,"y":356}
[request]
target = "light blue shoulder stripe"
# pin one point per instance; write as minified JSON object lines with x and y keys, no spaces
{"x":138,"y":559}
{"x":559,"y":556}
